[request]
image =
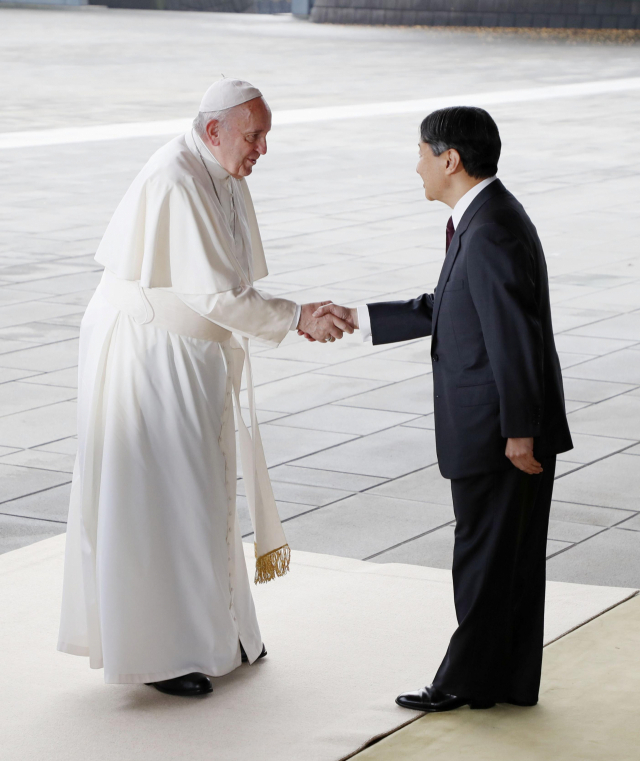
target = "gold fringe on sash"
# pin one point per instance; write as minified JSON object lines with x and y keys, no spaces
{"x":274,"y":563}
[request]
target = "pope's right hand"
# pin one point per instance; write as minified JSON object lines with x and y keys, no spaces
{"x":324,"y":327}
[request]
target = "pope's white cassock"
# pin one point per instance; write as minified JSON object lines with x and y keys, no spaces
{"x":155,"y":582}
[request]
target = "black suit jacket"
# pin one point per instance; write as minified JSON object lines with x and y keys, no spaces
{"x":496,"y":372}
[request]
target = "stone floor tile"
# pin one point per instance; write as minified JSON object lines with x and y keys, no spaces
{"x":286,"y":511}
{"x":574,"y":344}
{"x":324,"y":478}
{"x":611,"y":558}
{"x":584,"y":390}
{"x":66,"y":283}
{"x":413,"y":396}
{"x":31,"y":311}
{"x":341,"y":419}
{"x":616,"y":417}
{"x":73,"y":300}
{"x":424,"y":421}
{"x":587,"y":448}
{"x":568,"y":360}
{"x":622,"y":366}
{"x":612,"y":482}
{"x":572,"y":319}
{"x":633,"y":524}
{"x":8,"y":346}
{"x":46,"y":358}
{"x":38,"y":332}
{"x":18,"y":396}
{"x":433,"y":550}
{"x":36,"y":427}
{"x":414,"y":351}
{"x":10,"y":374}
{"x":622,"y":326}
{"x":67,"y":378}
{"x":570,"y":531}
{"x":562,"y":467}
{"x":269,"y":369}
{"x":570,"y":512}
{"x":69,"y":320}
{"x":283,"y":444}
{"x":338,"y":529}
{"x":376,"y":368}
{"x":310,"y":496}
{"x":425,"y":485}
{"x":310,"y":390}
{"x":13,"y":295}
{"x":68,"y":445}
{"x":51,"y":504}
{"x":18,"y":532}
{"x":554,"y":547}
{"x":36,"y":458}
{"x":390,"y":453}
{"x":17,"y":481}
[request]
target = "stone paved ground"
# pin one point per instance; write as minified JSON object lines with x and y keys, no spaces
{"x":348,"y":428}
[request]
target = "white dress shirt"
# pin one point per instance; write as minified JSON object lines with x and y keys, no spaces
{"x":364,"y":321}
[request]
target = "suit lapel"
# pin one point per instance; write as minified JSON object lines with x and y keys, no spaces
{"x":495,"y":188}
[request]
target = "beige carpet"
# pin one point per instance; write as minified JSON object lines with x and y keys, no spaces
{"x":344,"y":637}
{"x":589,"y":707}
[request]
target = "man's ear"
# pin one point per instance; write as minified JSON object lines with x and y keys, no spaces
{"x":213,"y":131}
{"x":454,"y":162}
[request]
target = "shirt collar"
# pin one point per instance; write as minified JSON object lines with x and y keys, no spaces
{"x":464,"y":203}
{"x":213,"y":165}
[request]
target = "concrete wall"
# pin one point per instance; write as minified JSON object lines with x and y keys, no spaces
{"x":576,"y":14}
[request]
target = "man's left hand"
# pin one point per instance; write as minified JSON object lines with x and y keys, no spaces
{"x":520,"y":452}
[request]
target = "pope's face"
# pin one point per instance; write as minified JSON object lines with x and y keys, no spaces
{"x":432,"y":170}
{"x":241,"y":139}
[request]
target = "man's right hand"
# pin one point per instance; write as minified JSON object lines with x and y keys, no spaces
{"x":346,"y":314}
{"x":320,"y":326}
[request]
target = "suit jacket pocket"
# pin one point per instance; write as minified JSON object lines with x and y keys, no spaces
{"x":472,"y":396}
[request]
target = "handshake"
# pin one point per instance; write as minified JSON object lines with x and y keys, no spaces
{"x":326,"y":321}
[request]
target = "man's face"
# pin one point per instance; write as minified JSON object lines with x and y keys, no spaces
{"x":241,"y":139}
{"x":433,"y":171}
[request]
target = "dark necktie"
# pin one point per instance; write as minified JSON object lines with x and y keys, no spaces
{"x":450,"y":231}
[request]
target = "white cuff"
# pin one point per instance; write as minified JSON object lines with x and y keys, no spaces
{"x":364,"y":322}
{"x":296,"y":318}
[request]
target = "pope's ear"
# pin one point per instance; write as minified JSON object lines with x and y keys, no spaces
{"x":213,"y":130}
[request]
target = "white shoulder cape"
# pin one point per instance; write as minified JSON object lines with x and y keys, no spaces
{"x":170,"y":231}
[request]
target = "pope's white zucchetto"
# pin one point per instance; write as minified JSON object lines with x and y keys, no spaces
{"x":227,"y":93}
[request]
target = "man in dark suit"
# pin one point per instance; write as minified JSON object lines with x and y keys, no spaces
{"x":499,"y":412}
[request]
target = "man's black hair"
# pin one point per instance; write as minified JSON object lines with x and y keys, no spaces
{"x":471,"y":131}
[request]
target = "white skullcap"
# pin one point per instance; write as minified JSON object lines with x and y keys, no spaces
{"x":228,"y":93}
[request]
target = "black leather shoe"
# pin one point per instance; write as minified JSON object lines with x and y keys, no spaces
{"x":185,"y":686}
{"x":432,"y":700}
{"x":523,"y":703}
{"x":245,"y":658}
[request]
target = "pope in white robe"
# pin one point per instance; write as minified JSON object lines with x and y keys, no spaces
{"x":155,"y":584}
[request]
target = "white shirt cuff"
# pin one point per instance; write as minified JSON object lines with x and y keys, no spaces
{"x":296,"y":318}
{"x":364,"y":322}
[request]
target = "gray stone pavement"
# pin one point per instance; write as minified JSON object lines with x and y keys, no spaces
{"x":348,"y":428}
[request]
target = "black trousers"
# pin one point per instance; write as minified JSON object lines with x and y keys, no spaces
{"x":499,"y":561}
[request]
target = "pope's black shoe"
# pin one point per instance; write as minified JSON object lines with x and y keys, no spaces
{"x":245,"y":658}
{"x":432,"y":700}
{"x":186,"y":686}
